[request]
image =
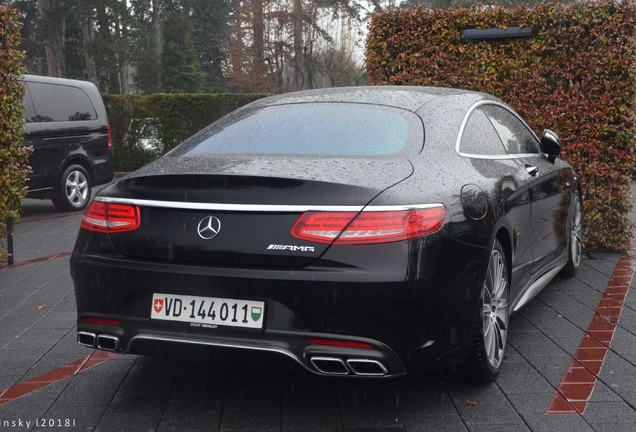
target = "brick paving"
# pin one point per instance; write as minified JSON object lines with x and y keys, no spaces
{"x":65,"y":386}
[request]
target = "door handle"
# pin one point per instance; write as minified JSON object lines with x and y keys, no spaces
{"x":532,"y":170}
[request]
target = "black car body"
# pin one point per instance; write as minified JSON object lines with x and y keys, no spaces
{"x":69,"y":131}
{"x":354,"y":230}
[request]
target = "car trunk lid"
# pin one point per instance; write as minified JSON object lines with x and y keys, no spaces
{"x":242,"y":215}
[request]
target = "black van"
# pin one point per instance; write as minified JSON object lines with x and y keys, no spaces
{"x":72,"y":147}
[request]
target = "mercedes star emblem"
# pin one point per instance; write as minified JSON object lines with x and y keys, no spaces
{"x":209,"y":227}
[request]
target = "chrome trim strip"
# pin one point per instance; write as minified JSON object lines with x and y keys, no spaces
{"x":41,"y":189}
{"x":271,"y":208}
{"x":537,"y":286}
{"x":399,"y":208}
{"x":238,"y":345}
{"x":500,"y":157}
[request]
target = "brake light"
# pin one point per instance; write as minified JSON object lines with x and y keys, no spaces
{"x":110,"y":137}
{"x":340,"y":343}
{"x":368,"y":227}
{"x":111,"y":218}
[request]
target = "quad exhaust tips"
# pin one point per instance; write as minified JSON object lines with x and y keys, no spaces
{"x":102,"y":341}
{"x":338,"y":366}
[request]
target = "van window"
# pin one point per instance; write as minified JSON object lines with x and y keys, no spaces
{"x":56,"y":103}
{"x":29,"y":110}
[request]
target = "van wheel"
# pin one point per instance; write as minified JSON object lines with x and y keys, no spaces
{"x":491,"y":326}
{"x":74,"y":190}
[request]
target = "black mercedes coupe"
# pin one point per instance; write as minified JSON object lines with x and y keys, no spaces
{"x":358,"y":231}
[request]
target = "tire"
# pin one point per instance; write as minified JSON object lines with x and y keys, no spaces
{"x":491,"y":326}
{"x":575,"y":242}
{"x":73,"y":192}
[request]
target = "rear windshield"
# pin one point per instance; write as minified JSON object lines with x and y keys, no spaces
{"x":309,"y":129}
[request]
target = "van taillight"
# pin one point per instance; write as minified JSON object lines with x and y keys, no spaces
{"x":110,"y":138}
{"x":368,"y":227}
{"x":111,"y":218}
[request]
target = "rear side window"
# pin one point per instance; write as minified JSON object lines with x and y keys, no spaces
{"x":480,"y":138}
{"x":304,"y":129}
{"x":515,"y":136}
{"x":58,"y":103}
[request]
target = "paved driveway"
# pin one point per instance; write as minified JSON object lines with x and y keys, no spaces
{"x":571,"y":365}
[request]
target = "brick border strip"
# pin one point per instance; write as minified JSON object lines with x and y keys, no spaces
{"x":56,"y":375}
{"x":580,"y":378}
{"x":35,"y":261}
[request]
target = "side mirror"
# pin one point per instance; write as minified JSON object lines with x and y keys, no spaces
{"x":550,"y":144}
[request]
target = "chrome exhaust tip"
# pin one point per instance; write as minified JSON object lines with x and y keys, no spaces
{"x":107,"y":342}
{"x":86,"y":339}
{"x":330,"y":365}
{"x":367,"y":367}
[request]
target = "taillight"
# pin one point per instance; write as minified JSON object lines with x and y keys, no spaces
{"x":368,"y":227}
{"x":110,"y":138}
{"x":111,"y":218}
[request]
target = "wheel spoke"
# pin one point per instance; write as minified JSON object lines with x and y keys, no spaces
{"x":499,"y":342}
{"x":485,"y":311}
{"x":489,"y":339}
{"x":488,"y":285}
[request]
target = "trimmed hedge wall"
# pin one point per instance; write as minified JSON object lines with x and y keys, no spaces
{"x":575,"y":75}
{"x":145,"y":127}
{"x":13,"y":157}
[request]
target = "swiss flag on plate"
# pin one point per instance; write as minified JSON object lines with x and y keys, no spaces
{"x":158,"y":305}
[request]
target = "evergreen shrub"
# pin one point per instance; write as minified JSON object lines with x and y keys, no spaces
{"x":145,"y":127}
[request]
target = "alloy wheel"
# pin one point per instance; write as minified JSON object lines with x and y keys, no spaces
{"x":495,"y":309}
{"x":576,"y":234}
{"x":76,"y":188}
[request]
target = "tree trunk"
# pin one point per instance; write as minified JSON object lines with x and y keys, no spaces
{"x":124,"y":64}
{"x":158,"y":38}
{"x":54,"y":29}
{"x":88,"y":35}
{"x":298,"y":44}
{"x":258,"y":22}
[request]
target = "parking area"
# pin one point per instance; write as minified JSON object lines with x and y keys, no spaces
{"x":570,"y":366}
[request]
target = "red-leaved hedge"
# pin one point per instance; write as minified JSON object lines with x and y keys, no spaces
{"x":13,"y":156}
{"x":575,"y":75}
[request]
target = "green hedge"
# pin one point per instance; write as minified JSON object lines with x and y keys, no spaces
{"x":145,"y":127}
{"x":574,"y":75}
{"x":13,"y":157}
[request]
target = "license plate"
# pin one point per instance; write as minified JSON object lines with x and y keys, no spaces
{"x":208,"y":311}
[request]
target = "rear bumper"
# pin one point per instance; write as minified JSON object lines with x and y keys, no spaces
{"x":376,"y":361}
{"x":401,"y":312}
